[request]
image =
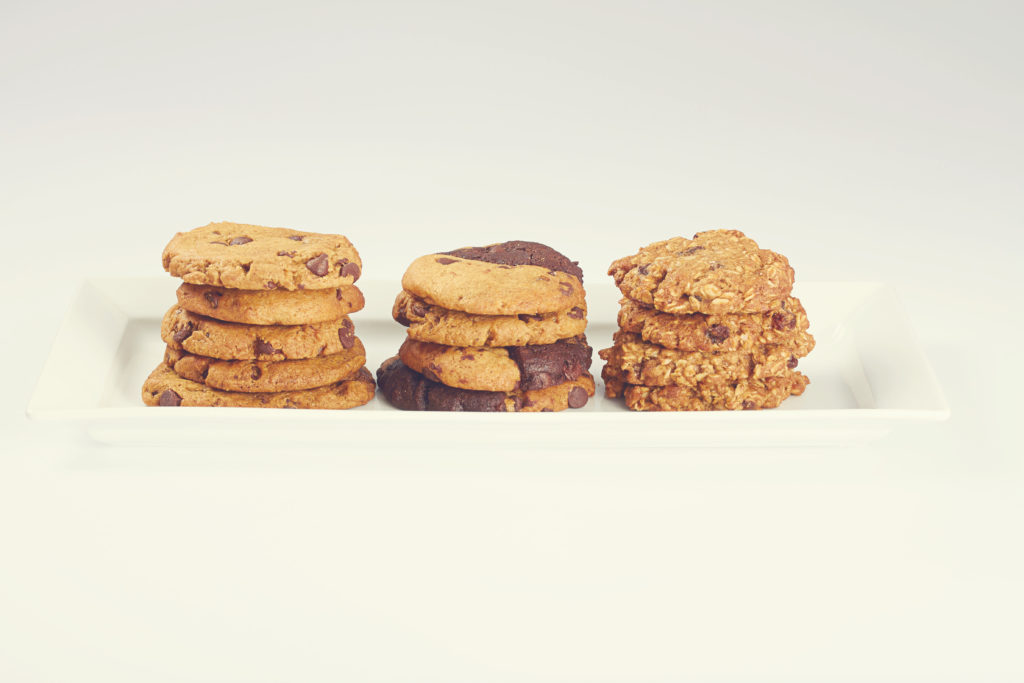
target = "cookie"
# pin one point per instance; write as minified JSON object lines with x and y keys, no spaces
{"x":266,"y":376}
{"x":408,"y":390}
{"x":454,"y":328}
{"x":718,"y":271}
{"x":786,"y":325}
{"x":498,"y":368}
{"x":748,"y":394}
{"x":204,"y":336}
{"x":165,"y":388}
{"x":239,"y":256}
{"x":639,"y":362}
{"x":501,"y":279}
{"x":275,"y":307}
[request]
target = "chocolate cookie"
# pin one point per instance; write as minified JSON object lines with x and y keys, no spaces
{"x":408,"y":390}
{"x":747,"y":394}
{"x":454,"y":328}
{"x":266,"y":376}
{"x":786,"y":326}
{"x":165,"y":388}
{"x":501,"y":279}
{"x":639,"y":362}
{"x":239,"y":256}
{"x":234,"y":341}
{"x":719,"y":271}
{"x":498,"y":368}
{"x":274,"y":307}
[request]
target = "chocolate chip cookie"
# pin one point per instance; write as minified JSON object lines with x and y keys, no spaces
{"x":498,"y":368}
{"x":501,"y":279}
{"x":204,"y":336}
{"x":274,"y":307}
{"x":164,"y":387}
{"x":455,"y":328}
{"x":746,"y":394}
{"x":266,"y":376}
{"x":718,"y":271}
{"x":409,"y":390}
{"x":639,"y":362}
{"x":786,"y":326}
{"x":239,"y":256}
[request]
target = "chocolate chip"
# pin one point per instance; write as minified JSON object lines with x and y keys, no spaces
{"x":749,"y":405}
{"x":183,"y":333}
{"x":169,"y":398}
{"x":349,"y":269}
{"x":213,"y":298}
{"x":792,"y":362}
{"x":297,"y":238}
{"x":576,"y":313}
{"x":783,"y":321}
{"x":578,"y":397}
{"x":467,"y":356}
{"x":565,"y":288}
{"x":338,"y":294}
{"x":644,"y":269}
{"x":239,"y":240}
{"x":289,"y":254}
{"x":527,"y":317}
{"x":418,"y":309}
{"x":263,"y":348}
{"x":445,"y":261}
{"x":256,"y":372}
{"x":318,"y":265}
{"x":692,"y":250}
{"x":346,"y":335}
{"x":717,"y":333}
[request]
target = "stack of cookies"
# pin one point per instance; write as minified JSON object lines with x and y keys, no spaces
{"x":261,"y":321}
{"x":707,"y":324}
{"x":497,"y":328}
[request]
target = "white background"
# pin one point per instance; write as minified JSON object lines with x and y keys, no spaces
{"x":864,"y":140}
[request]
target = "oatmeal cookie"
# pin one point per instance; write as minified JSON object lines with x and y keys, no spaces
{"x":454,"y":328}
{"x":747,"y":394}
{"x":408,"y":390}
{"x":164,"y":387}
{"x":718,"y":271}
{"x":266,"y":376}
{"x":499,"y":368}
{"x":204,"y":336}
{"x":239,"y":256}
{"x":273,"y":307}
{"x":501,"y":279}
{"x":785,"y":326}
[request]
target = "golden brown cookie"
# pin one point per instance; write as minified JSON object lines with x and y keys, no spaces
{"x":498,"y":368}
{"x":785,"y":326}
{"x":501,"y":279}
{"x":718,"y":271}
{"x":639,"y":362}
{"x":204,"y":336}
{"x":266,"y":376}
{"x":240,"y":256}
{"x":408,"y":390}
{"x":455,"y":328}
{"x":165,"y":388}
{"x":270,"y":307}
{"x":748,"y":394}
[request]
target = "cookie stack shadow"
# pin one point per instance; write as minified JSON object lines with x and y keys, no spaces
{"x":706,"y":324}
{"x":491,"y":329}
{"x":261,"y":321}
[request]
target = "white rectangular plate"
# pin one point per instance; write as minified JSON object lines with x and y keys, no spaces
{"x":868,"y":375}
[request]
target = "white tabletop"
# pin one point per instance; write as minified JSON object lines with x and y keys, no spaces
{"x":876,"y":143}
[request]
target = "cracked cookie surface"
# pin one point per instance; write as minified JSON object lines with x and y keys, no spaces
{"x":500,"y":279}
{"x":241,"y":256}
{"x":164,"y":387}
{"x":718,"y":271}
{"x":270,"y":307}
{"x":409,"y":390}
{"x":204,"y":336}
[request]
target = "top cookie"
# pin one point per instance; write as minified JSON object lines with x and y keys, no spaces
{"x":718,"y":271}
{"x":240,"y":256}
{"x":501,"y":279}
